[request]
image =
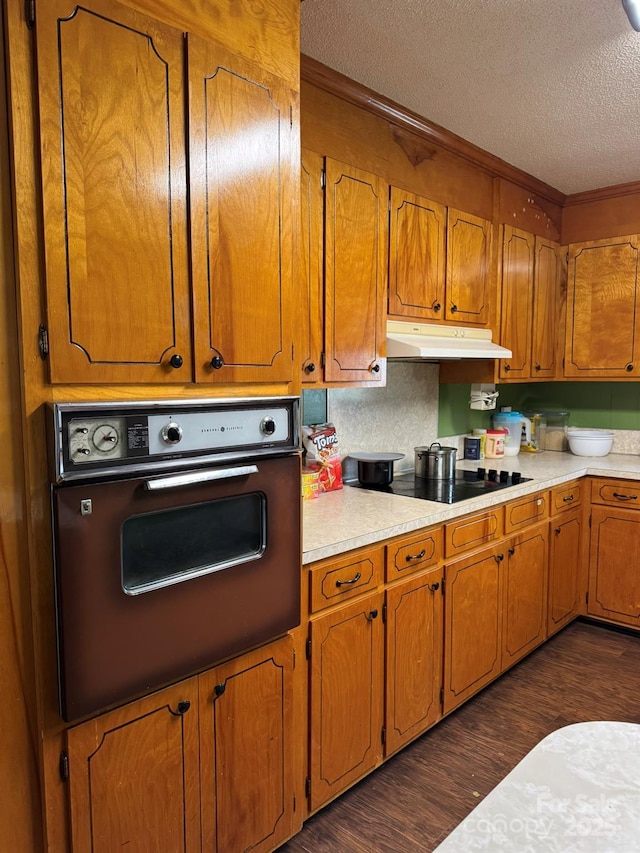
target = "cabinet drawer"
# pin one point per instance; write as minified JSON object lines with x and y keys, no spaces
{"x":472,"y":531}
{"x":616,"y":493}
{"x":565,"y":497}
{"x":526,"y":511}
{"x":331,"y":583}
{"x":412,"y":553}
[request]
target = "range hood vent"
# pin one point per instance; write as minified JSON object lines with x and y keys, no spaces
{"x":424,"y":342}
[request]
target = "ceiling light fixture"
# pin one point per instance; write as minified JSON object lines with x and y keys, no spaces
{"x":632,"y":8}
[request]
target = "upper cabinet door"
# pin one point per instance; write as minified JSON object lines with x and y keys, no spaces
{"x":468,"y":268}
{"x":356,"y":239}
{"x":111,"y":98}
{"x":310,"y":299}
{"x":517,"y":301}
{"x":244,"y":182}
{"x":416,"y":256}
{"x":602,"y":301}
{"x":550,"y":276}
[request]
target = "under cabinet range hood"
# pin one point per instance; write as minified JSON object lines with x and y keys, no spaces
{"x":425,"y":342}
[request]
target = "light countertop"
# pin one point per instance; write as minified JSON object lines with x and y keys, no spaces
{"x":351,"y":518}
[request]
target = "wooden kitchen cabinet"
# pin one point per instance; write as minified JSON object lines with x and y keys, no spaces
{"x":469,"y":290}
{"x":602,"y":328}
{"x":346,"y":675}
{"x":355,"y":252}
{"x":207,"y":764}
{"x":310,"y":338}
{"x":525,"y":511}
{"x":473,"y":624}
{"x":414,"y":642}
{"x":244,"y":178}
{"x":533,"y":274}
{"x":567,"y":570}
{"x":120,"y":290}
{"x":614,"y":580}
{"x":112,"y":123}
{"x":247,"y":751}
{"x":417,"y":257}
{"x":134,"y":777}
{"x":473,"y":531}
{"x":525,"y":593}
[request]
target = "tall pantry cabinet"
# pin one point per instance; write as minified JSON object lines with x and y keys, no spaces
{"x":127,"y":137}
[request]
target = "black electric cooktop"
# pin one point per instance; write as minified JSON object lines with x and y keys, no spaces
{"x":465,"y":485}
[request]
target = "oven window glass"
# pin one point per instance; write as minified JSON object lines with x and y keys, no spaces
{"x":174,"y":545}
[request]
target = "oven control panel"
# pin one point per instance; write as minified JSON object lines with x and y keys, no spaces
{"x":110,"y":438}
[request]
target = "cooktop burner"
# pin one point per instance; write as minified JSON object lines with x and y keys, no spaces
{"x":465,"y":484}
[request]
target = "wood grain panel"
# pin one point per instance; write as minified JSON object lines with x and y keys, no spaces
{"x":247,"y":751}
{"x":623,"y":493}
{"x":605,"y":212}
{"x":528,"y":510}
{"x":245,"y":177}
{"x":602,"y":331}
{"x":567,"y":497}
{"x":414,"y":657}
{"x":525,"y":594}
{"x":413,"y":553}
{"x":111,"y":97}
{"x":337,"y":580}
{"x":549,"y":300}
{"x":473,"y":531}
{"x":567,"y":570}
{"x":310,"y":296}
{"x":417,"y":256}
{"x":517,"y":302}
{"x":614,"y":582}
{"x":133,"y":776}
{"x":469,"y":286}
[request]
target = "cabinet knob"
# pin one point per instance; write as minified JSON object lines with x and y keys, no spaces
{"x":454,"y":308}
{"x":310,"y":368}
{"x":217,"y":362}
{"x":557,"y":531}
{"x":507,"y":368}
{"x":434,"y":586}
{"x":436,"y":306}
{"x":512,"y":551}
{"x":537,"y":367}
{"x":629,"y":368}
{"x":219,"y":689}
{"x":499,"y":558}
{"x":375,"y":368}
{"x":176,"y":361}
{"x":371,"y":615}
{"x":183,"y":706}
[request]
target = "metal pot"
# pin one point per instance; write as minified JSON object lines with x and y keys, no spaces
{"x":435,"y":462}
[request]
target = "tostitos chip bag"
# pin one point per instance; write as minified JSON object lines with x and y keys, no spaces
{"x":320,"y":444}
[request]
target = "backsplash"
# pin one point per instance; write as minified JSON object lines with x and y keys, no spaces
{"x":395,"y":419}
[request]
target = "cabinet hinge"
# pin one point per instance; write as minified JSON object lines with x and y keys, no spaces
{"x":290,"y":116}
{"x":384,"y":612}
{"x":43,"y":341}
{"x":442,"y":697}
{"x":323,"y":179}
{"x":294,"y":658}
{"x":321,"y":359}
{"x":567,"y":258}
{"x":30,"y":13}
{"x":442,"y":586}
{"x":383,"y":736}
{"x":293,"y":352}
{"x":589,"y":519}
{"x":63,"y":766}
{"x":586,"y":597}
{"x":307,"y":786}
{"x":308,"y":648}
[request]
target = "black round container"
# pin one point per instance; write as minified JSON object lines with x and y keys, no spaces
{"x":376,"y":469}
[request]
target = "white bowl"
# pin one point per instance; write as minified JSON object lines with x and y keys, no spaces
{"x":589,"y":442}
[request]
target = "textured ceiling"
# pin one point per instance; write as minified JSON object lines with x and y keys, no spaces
{"x":550,"y":86}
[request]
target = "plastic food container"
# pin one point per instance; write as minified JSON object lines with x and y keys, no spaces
{"x":556,"y":433}
{"x":494,"y":446}
{"x":589,"y":442}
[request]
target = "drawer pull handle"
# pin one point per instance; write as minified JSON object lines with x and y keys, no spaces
{"x":625,"y":497}
{"x":371,"y":615}
{"x":419,"y":556}
{"x":354,"y":579}
{"x":567,"y":499}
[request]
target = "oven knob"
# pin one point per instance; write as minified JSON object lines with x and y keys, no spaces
{"x":172,"y":433}
{"x":268,"y":426}
{"x":493,"y":474}
{"x":516,"y":477}
{"x":504,"y":476}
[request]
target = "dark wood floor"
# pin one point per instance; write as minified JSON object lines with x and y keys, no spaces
{"x":586,"y":672}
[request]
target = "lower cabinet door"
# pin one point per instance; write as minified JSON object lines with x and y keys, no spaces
{"x":473,"y":624}
{"x":133,"y":776}
{"x":614,"y":578}
{"x":414,"y":657}
{"x":567,"y":572}
{"x":346,"y":696}
{"x":247,"y":751}
{"x":525,"y":593}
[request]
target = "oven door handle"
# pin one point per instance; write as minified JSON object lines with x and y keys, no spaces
{"x":194,"y":477}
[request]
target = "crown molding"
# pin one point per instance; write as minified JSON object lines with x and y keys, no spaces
{"x":317,"y":74}
{"x":604,"y":193}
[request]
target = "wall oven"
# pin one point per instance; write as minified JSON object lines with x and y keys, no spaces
{"x":176,"y":531}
